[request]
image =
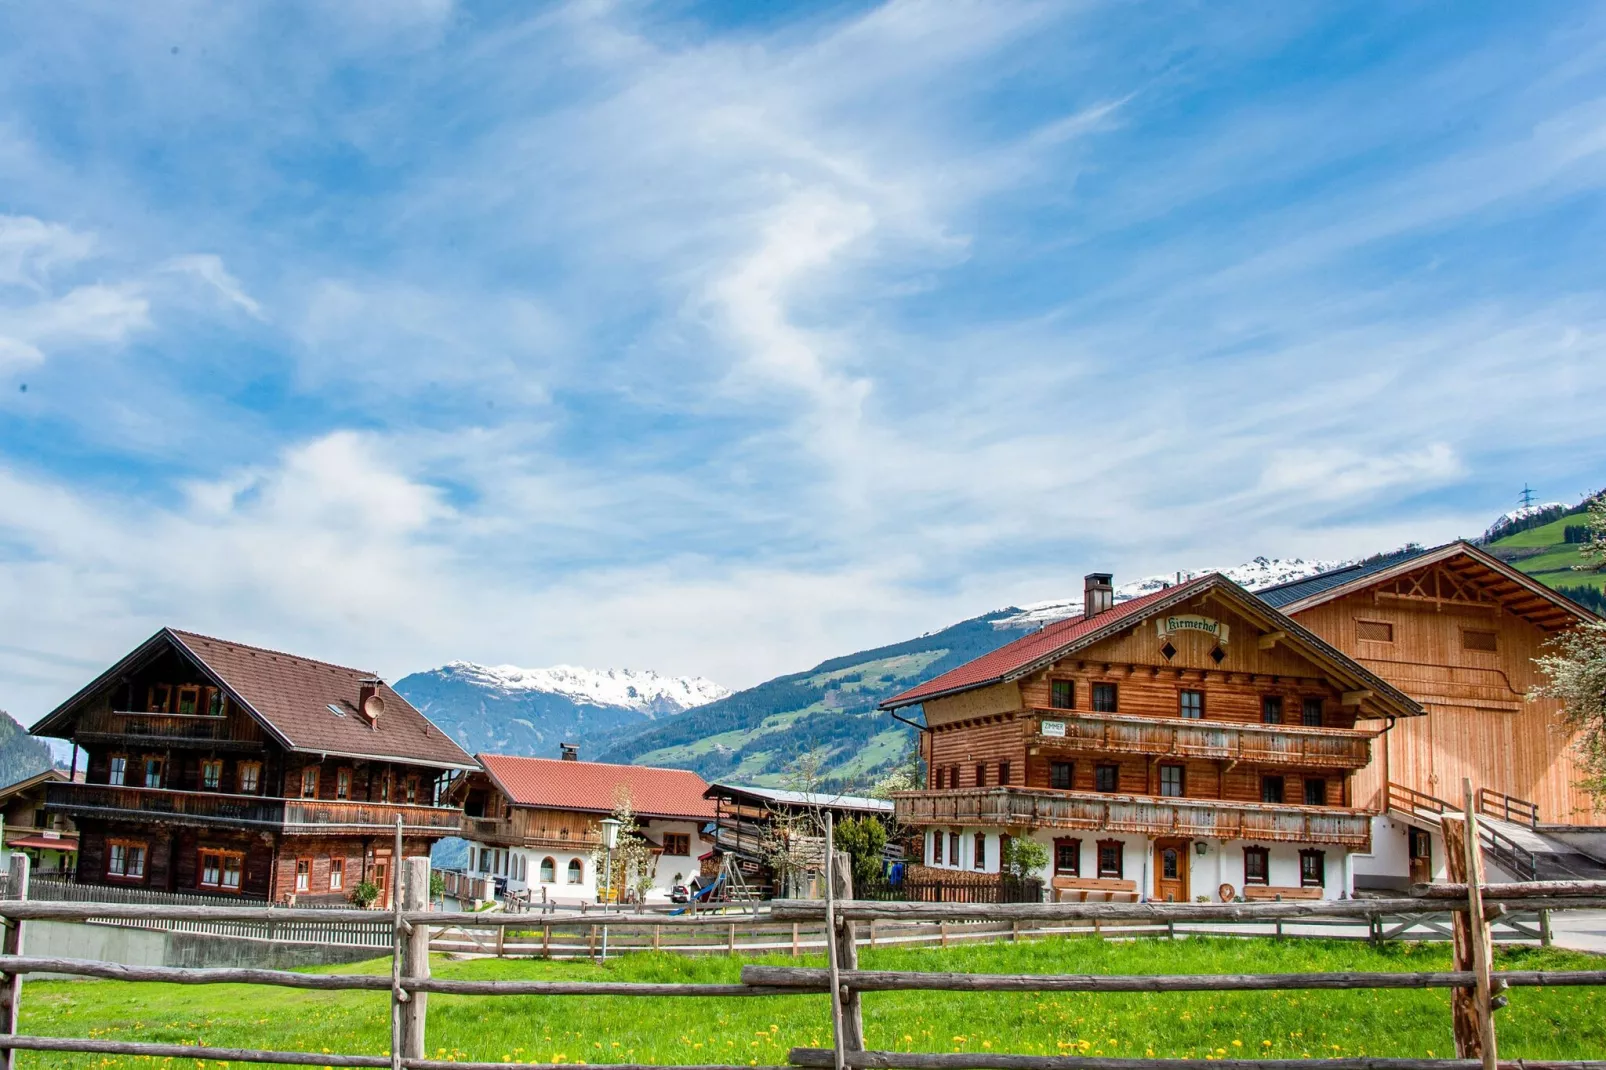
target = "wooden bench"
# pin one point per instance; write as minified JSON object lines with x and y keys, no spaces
{"x":1275,"y":891}
{"x":1094,"y":889}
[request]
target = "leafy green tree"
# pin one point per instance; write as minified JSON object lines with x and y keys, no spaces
{"x":1023,"y":858}
{"x":864,"y":839}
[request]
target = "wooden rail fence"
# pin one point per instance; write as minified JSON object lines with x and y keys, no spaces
{"x":1477,"y":990}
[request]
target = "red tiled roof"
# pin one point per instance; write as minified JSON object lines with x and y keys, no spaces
{"x":1041,"y":648}
{"x":992,"y":667}
{"x":561,"y":785}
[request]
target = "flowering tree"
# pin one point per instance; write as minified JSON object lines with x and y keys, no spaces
{"x":1576,"y":670}
{"x":632,"y":856}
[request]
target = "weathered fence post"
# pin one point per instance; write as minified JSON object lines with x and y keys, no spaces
{"x":1469,"y":1007}
{"x":730,"y":940}
{"x":847,"y":943}
{"x":11,"y":983}
{"x":397,"y":996}
{"x":1482,"y":945}
{"x":796,"y":950}
{"x":415,"y":964}
{"x":1544,"y":928}
{"x":546,"y":939}
{"x":832,"y":950}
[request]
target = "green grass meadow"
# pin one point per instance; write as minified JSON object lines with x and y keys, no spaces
{"x":1539,"y":1023}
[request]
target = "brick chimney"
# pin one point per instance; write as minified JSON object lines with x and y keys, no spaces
{"x":1098,"y":593}
{"x":569,"y":751}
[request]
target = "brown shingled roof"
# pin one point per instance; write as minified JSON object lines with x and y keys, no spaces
{"x":291,"y":697}
{"x":561,"y":785}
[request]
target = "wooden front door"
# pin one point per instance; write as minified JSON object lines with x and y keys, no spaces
{"x":1421,"y":852}
{"x":381,"y":878}
{"x":1171,"y":870}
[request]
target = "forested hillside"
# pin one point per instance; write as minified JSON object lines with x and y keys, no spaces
{"x":1546,"y":547}
{"x":21,"y":755}
{"x":753,"y":735}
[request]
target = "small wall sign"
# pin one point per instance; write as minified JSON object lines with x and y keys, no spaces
{"x":1054,"y":728}
{"x":1192,"y":622}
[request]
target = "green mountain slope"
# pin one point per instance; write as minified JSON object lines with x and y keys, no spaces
{"x":21,"y":755}
{"x":1549,"y":553}
{"x":753,"y":735}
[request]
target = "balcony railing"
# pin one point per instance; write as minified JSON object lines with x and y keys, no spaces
{"x":1337,"y":748}
{"x":1194,"y":818}
{"x":235,"y":727}
{"x":291,"y":816}
{"x":305,"y":816}
{"x":503,"y":831}
{"x":462,"y":885}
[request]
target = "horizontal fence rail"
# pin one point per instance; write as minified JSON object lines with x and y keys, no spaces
{"x":841,"y":924}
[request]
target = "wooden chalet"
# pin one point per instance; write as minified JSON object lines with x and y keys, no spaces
{"x":533,"y":825}
{"x":1194,"y":741}
{"x":1456,"y":629}
{"x":216,"y":767}
{"x":49,"y":840}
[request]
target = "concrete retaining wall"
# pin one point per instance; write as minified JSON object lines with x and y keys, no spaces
{"x":148,"y":947}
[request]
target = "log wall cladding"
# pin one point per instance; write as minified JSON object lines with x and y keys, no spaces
{"x":1197,"y":714}
{"x":1457,"y":630}
{"x":219,"y":768}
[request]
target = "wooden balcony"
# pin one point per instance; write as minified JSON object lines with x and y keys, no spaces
{"x":1260,"y":744}
{"x":215,"y":809}
{"x":234,"y":731}
{"x":503,"y":832}
{"x":1035,"y":808}
{"x":304,"y":817}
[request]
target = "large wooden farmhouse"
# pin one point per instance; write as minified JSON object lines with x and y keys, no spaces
{"x":227,"y":769}
{"x":1194,"y":741}
{"x":533,"y":825}
{"x":1457,"y":630}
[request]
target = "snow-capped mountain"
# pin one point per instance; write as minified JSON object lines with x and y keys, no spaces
{"x":642,"y":690}
{"x":1261,"y":572}
{"x":506,"y":709}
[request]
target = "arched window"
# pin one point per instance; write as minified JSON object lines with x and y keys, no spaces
{"x":549,"y":871}
{"x":576,"y":874}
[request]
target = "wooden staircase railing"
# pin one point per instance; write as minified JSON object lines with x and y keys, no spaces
{"x":1498,"y":804}
{"x":1409,"y":800}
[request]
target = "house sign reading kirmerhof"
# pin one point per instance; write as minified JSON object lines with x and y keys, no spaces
{"x":1192,"y":622}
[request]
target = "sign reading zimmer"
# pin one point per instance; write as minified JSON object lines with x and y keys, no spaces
{"x":1054,"y":728}
{"x":1192,"y":622}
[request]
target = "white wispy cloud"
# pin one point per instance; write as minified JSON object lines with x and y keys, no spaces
{"x":609,"y":333}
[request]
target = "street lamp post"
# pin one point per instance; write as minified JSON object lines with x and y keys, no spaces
{"x":610,"y":840}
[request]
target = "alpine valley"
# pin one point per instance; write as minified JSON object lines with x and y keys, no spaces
{"x":752,"y":736}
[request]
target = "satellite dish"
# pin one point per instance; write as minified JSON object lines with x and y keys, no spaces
{"x":372,"y":707}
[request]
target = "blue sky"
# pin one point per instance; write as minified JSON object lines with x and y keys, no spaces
{"x":719,"y":339}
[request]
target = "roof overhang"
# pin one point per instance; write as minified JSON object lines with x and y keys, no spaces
{"x":1517,"y":592}
{"x":52,"y":723}
{"x":1358,"y":677}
